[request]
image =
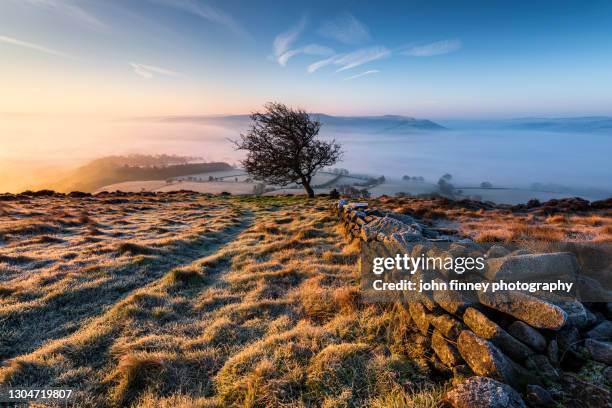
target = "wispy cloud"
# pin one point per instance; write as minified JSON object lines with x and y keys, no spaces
{"x":352,"y":59}
{"x":432,"y":49}
{"x":70,"y":10}
{"x":346,"y":29}
{"x":283,"y":41}
{"x":370,"y":72}
{"x":149,"y":71}
{"x":209,"y":13}
{"x":311,"y":49}
{"x":32,"y":46}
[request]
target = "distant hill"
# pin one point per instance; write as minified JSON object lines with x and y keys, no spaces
{"x":582,"y":124}
{"x":367,"y":124}
{"x":597,"y":124}
{"x":109,"y":170}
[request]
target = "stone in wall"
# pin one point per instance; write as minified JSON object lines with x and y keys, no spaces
{"x":486,"y":359}
{"x":483,"y":392}
{"x":487,"y":329}
{"x":449,"y":326}
{"x":560,"y":265}
{"x":446,"y":351}
{"x":528,"y":335}
{"x":531,"y":310}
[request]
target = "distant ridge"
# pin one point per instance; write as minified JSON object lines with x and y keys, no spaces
{"x":571,"y":124}
{"x":369,"y":124}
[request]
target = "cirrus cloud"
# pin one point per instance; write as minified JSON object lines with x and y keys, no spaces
{"x":432,"y":49}
{"x":369,"y":72}
{"x":351,"y":59}
{"x":149,"y":71}
{"x":345,"y":29}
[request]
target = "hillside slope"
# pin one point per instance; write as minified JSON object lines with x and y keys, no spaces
{"x":182,"y":300}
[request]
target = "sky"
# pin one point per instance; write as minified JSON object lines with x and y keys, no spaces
{"x":429,"y":59}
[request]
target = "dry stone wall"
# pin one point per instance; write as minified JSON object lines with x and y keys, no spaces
{"x":503,"y":349}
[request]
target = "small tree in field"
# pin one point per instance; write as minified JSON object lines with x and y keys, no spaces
{"x":283,"y":148}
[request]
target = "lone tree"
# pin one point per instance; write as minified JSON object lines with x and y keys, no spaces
{"x":283,"y":148}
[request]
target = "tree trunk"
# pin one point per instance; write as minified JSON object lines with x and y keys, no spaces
{"x":307,"y":187}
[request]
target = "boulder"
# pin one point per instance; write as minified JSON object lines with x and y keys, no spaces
{"x":552,"y":352}
{"x":447,"y":325}
{"x":483,"y":392}
{"x":576,"y":312}
{"x":406,"y":237}
{"x":485,"y":359}
{"x":541,"y":367}
{"x":567,"y":338}
{"x":603,"y":331}
{"x":587,"y":394}
{"x":533,"y":311}
{"x":496,"y":251}
{"x":489,"y":330}
{"x":446,"y":351}
{"x":607,"y":373}
{"x":538,"y":397}
{"x":385,"y":226}
{"x":590,"y":290}
{"x":453,"y":302}
{"x":599,"y":350}
{"x":527,"y":335}
{"x":403,"y":218}
{"x":420,"y":316}
{"x":534,"y":267}
{"x":461,"y":373}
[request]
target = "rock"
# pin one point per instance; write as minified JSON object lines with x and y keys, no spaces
{"x":567,"y":338}
{"x":599,"y":350}
{"x":533,"y":311}
{"x":590,"y":290}
{"x":538,"y":397}
{"x":576,"y":312}
{"x":592,"y":318}
{"x":541,"y":367}
{"x":406,"y":238}
{"x":607,"y":373}
{"x":385,"y":226}
{"x":403,"y":218}
{"x":521,"y":252}
{"x":571,"y":361}
{"x":587,"y":394}
{"x":496,"y":251}
{"x":489,"y":330}
{"x":438,"y":365}
{"x":358,"y":205}
{"x":359,"y":215}
{"x":484,"y":358}
{"x":483,"y":392}
{"x":447,"y":352}
{"x":447,"y":325}
{"x":420,"y":316}
{"x":603,"y":331}
{"x":461,"y":373}
{"x":552,"y":352}
{"x":537,"y":267}
{"x":527,"y":335}
{"x":453,"y":302}
{"x":465,"y":241}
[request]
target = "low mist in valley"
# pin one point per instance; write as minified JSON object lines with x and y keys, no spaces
{"x":38,"y":152}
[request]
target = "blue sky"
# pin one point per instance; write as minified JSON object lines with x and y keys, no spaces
{"x":429,"y":59}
